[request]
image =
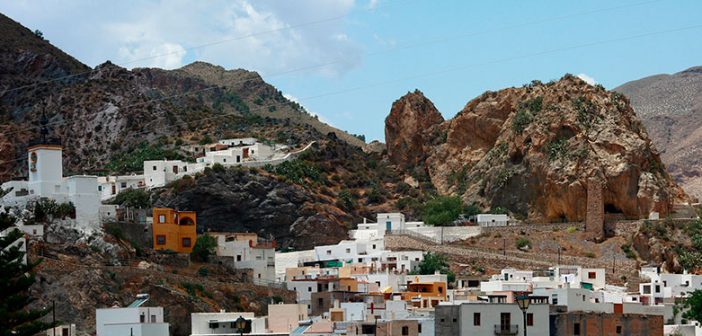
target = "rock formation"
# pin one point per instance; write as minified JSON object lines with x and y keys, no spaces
{"x":533,"y":149}
{"x":406,"y":128}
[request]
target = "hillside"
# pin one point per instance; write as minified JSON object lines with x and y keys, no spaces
{"x":670,"y":107}
{"x":533,"y":149}
{"x":110,"y":111}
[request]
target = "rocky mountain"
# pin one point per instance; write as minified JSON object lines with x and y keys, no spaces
{"x":110,"y":111}
{"x":670,"y":107}
{"x":532,"y":150}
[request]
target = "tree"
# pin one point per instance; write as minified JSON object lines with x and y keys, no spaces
{"x":205,"y":246}
{"x":692,"y":305}
{"x":135,"y":198}
{"x":15,"y":280}
{"x":442,"y":210}
{"x":434,"y":262}
{"x":39,"y":34}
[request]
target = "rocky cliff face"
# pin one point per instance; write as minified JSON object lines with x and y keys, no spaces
{"x":109,"y":111}
{"x":239,"y":200}
{"x":533,"y":149}
{"x":670,"y":107}
{"x":406,"y":128}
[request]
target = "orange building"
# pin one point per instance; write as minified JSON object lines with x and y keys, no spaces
{"x":174,"y":230}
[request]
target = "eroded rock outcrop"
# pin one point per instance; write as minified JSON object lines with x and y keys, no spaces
{"x":236,"y":200}
{"x":406,"y":128}
{"x":533,"y":149}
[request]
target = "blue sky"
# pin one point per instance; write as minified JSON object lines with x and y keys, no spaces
{"x":357,"y":57}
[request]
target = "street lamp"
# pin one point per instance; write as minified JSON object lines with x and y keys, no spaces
{"x":523,"y":303}
{"x":240,"y":325}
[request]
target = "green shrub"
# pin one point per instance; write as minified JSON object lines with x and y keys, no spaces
{"x":345,"y":201}
{"x":523,"y":243}
{"x":296,"y":171}
{"x":557,"y":149}
{"x":626,"y":248}
{"x":434,"y":262}
{"x":589,"y":254}
{"x":205,"y":246}
{"x":218,"y":168}
{"x":203,"y":271}
{"x":442,"y":210}
{"x":571,"y":229}
{"x":521,"y":120}
{"x":135,"y":198}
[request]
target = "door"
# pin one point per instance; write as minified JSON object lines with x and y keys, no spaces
{"x":505,"y":321}
{"x":388,"y":226}
{"x":246,"y":153}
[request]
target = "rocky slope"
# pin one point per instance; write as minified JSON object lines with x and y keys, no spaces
{"x":670,"y":107}
{"x":80,"y":276}
{"x":109,"y":110}
{"x":533,"y":149}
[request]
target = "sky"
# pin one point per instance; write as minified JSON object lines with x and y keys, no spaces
{"x":347,"y":61}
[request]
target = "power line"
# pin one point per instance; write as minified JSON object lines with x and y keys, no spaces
{"x":408,"y":46}
{"x":440,"y":72}
{"x":209,"y":44}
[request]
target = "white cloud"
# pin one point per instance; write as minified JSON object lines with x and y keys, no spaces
{"x":373,"y":4}
{"x":319,"y":116}
{"x":268,"y":36}
{"x":587,"y":79}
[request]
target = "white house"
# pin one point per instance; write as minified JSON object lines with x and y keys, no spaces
{"x":131,"y":320}
{"x":62,"y":330}
{"x":110,"y":186}
{"x":247,"y":252}
{"x":224,"y":323}
{"x":46,"y":180}
{"x":487,"y":220}
{"x":483,"y":318}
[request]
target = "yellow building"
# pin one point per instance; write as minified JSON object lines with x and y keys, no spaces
{"x":174,"y":230}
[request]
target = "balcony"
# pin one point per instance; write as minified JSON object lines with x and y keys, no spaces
{"x":506,"y":329}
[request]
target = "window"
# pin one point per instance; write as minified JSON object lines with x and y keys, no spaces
{"x":374,"y":246}
{"x":576,"y":329}
{"x":160,"y":240}
{"x":619,"y":329}
{"x":123,"y":185}
{"x":419,"y":328}
{"x":142,"y":318}
{"x":238,"y":257}
{"x":530,"y":319}
{"x":155,"y":168}
{"x":187,"y":242}
{"x":161,"y":218}
{"x":647,"y":289}
{"x":328,"y":252}
{"x":185,"y":168}
{"x":405,"y":330}
{"x":591,"y":275}
{"x":99,"y":188}
{"x":658,"y":288}
{"x":348,"y":250}
{"x":476,"y":319}
{"x":309,"y":289}
{"x":153,"y":318}
{"x":224,"y":160}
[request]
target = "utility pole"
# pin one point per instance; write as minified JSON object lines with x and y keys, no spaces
{"x":559,"y":255}
{"x":504,"y":247}
{"x":614,"y":263}
{"x":53,"y":317}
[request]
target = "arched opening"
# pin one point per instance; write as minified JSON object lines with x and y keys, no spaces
{"x":186,"y":221}
{"x":612,"y":209}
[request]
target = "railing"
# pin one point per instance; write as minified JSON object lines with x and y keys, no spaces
{"x":506,"y":329}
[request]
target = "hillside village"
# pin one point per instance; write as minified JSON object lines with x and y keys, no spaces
{"x":360,"y":286}
{"x":198,"y":200}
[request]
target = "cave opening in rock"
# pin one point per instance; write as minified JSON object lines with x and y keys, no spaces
{"x":612,"y":209}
